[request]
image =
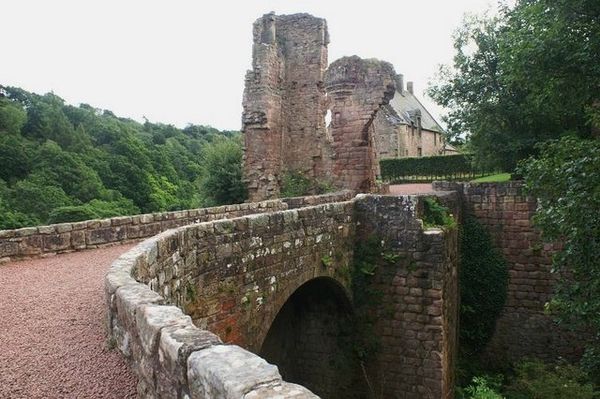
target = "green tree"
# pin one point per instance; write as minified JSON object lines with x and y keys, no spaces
{"x":566,"y":180}
{"x":221,"y":182}
{"x":61,"y":162}
{"x":528,"y":75}
{"x":33,"y":197}
{"x":12,"y":116}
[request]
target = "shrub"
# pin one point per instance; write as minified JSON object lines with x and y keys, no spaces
{"x":71,"y":214}
{"x":95,"y":209}
{"x":436,"y":214}
{"x":565,"y":178}
{"x":222,"y":175}
{"x":295,"y":184}
{"x":481,"y":388}
{"x":427,"y":168}
{"x":536,"y":380}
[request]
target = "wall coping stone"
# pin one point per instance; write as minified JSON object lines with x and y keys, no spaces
{"x":40,"y":241}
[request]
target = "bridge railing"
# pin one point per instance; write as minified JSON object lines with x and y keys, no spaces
{"x":29,"y":242}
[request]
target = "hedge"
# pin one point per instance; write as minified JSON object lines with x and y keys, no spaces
{"x":445,"y":167}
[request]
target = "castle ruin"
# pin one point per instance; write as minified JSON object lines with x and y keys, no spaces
{"x":288,"y":93}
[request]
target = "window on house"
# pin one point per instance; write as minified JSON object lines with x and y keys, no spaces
{"x":419,"y":152}
{"x":434,"y":138}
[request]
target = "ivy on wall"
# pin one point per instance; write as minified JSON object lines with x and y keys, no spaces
{"x":483,"y":286}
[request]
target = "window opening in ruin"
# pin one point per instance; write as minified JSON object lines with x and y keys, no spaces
{"x":419,"y":152}
{"x":328,"y":118}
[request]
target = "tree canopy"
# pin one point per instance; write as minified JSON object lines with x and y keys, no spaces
{"x":528,"y":75}
{"x":65,"y":163}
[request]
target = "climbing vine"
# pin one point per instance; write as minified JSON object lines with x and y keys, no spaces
{"x":483,"y":286}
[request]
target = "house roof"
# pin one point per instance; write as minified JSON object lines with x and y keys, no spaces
{"x":404,"y":108}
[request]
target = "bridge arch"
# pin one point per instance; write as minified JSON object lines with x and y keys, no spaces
{"x":306,"y":338}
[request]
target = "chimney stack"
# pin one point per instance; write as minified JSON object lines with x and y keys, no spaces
{"x":409,"y":87}
{"x":400,"y":82}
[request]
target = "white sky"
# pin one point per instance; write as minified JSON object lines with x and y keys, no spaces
{"x":184,"y":61}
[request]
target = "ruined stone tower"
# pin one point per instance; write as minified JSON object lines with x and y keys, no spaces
{"x":356,"y":89}
{"x":284,"y":102}
{"x":288,"y":93}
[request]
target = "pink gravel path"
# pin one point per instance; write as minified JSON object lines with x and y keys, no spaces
{"x":407,"y":189}
{"x":52,"y":334}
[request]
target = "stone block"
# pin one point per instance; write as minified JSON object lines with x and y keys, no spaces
{"x":177,"y":343}
{"x":31,"y":245}
{"x":9,"y":249}
{"x":78,"y":239}
{"x":56,"y":242}
{"x":128,"y":298}
{"x":227,"y":371}
{"x":47,"y":229}
{"x":151,"y":319}
{"x":281,"y":391}
{"x":105,"y":235}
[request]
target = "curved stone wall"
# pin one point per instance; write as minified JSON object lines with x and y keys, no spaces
{"x":231,"y":277}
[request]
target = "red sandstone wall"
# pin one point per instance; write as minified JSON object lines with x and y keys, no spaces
{"x":284,"y":102}
{"x":418,"y":313}
{"x":523,"y":329}
{"x":356,"y":89}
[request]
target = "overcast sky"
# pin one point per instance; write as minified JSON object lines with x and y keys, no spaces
{"x":184,"y":62}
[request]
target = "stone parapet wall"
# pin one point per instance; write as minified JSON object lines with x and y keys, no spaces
{"x":170,"y":355}
{"x":232,"y":277}
{"x":523,"y":329}
{"x":310,"y":200}
{"x":418,"y":313}
{"x":66,"y":237}
{"x":39,"y":241}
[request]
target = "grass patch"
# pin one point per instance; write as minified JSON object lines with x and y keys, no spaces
{"x":500,"y":177}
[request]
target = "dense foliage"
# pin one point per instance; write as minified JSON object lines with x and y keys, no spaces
{"x":66,"y":163}
{"x":532,"y":379}
{"x":566,"y":180}
{"x":436,"y":214}
{"x":483,"y":286}
{"x":528,"y":75}
{"x":446,"y":167}
{"x":537,"y":380}
{"x":222,"y":183}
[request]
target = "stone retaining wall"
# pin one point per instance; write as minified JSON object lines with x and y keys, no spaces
{"x":66,"y":237}
{"x":523,"y":329}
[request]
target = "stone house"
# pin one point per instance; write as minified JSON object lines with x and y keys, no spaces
{"x":404,"y":128}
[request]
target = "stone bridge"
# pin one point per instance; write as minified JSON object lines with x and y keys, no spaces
{"x":195,"y":307}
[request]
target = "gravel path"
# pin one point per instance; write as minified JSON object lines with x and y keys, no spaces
{"x":406,"y":189}
{"x":52,"y":334}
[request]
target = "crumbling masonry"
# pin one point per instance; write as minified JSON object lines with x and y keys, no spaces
{"x":287,"y":96}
